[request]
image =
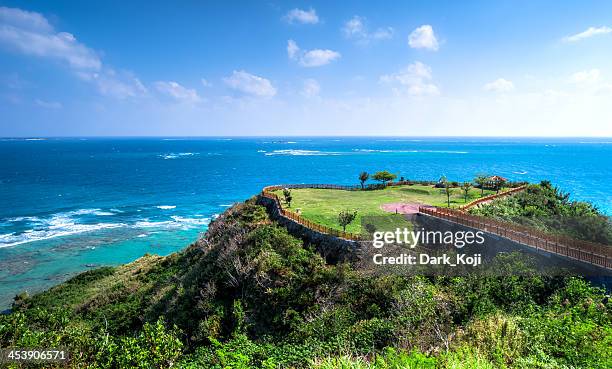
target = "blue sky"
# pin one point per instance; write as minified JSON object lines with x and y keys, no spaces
{"x":479,"y":68}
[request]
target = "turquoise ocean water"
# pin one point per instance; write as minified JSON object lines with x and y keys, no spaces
{"x":67,"y":205}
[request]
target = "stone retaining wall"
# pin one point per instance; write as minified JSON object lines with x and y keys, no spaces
{"x":333,"y":249}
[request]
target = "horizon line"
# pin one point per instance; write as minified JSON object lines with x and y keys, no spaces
{"x":291,"y":136}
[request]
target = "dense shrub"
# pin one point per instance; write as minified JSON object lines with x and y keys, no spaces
{"x":249,"y":295}
{"x":547,"y":208}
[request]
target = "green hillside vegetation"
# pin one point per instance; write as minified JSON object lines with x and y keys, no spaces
{"x":322,"y":206}
{"x":547,"y":208}
{"x":249,"y":295}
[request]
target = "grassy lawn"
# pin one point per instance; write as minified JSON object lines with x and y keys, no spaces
{"x":322,"y":206}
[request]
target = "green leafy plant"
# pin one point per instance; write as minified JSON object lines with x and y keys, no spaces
{"x":287,"y":195}
{"x":384,"y":176}
{"x":345,"y":218}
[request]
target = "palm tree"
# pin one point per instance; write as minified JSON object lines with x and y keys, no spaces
{"x":363,"y":177}
{"x":481,"y":180}
{"x":466,"y":186}
{"x":448,"y":190}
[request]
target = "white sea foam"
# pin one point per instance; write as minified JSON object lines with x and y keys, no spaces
{"x":71,"y":223}
{"x":303,"y":153}
{"x":57,"y":228}
{"x":24,"y":219}
{"x":520,"y":172}
{"x":399,"y":140}
{"x":178,"y":155}
{"x":84,"y":212}
{"x":104,"y":213}
{"x":177,"y":222}
{"x":190,"y":221}
{"x":411,"y":151}
{"x":63,"y":215}
{"x":148,"y":224}
{"x":166,"y":207}
{"x":226,"y":205}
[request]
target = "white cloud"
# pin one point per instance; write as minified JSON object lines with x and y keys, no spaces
{"x":311,"y":58}
{"x":311,"y":88}
{"x":499,"y":85}
{"x":590,"y":82}
{"x":177,"y":92}
{"x":206,"y":83}
{"x":533,"y":113}
{"x":318,"y":57}
{"x":292,"y":49}
{"x":302,"y":16}
{"x":48,"y":104}
{"x":590,"y":32}
{"x":423,"y":38}
{"x":30,"y":33}
{"x":250,"y":84}
{"x":416,"y":78}
{"x":118,"y":85}
{"x":586,"y":76}
{"x":382,"y":34}
{"x":355,"y":28}
{"x":24,"y":19}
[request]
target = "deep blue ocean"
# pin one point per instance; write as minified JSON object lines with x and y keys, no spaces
{"x":67,"y":205}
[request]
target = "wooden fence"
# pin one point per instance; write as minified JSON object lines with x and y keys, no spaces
{"x":589,"y":252}
{"x":268,"y":193}
{"x":492,"y":197}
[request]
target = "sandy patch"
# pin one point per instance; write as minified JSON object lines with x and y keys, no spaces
{"x":403,"y":208}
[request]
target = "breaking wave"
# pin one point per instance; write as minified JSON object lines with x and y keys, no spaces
{"x":177,"y":222}
{"x":166,"y":207}
{"x":39,"y":228}
{"x":303,"y":153}
{"x":178,"y":155}
{"x":411,"y":151}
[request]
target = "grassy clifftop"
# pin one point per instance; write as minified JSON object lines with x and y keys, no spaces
{"x":323,"y":205}
{"x":249,"y":295}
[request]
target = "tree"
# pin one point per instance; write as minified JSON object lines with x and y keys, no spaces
{"x":442,"y":182}
{"x":363,"y":177}
{"x":498,"y":184}
{"x":384,"y":176}
{"x":448,"y":190}
{"x":345,"y":218}
{"x":288,"y":196}
{"x":481,"y":180}
{"x":466,"y":186}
